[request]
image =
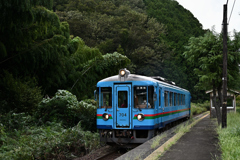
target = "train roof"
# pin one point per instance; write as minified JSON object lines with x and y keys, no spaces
{"x":134,"y":77}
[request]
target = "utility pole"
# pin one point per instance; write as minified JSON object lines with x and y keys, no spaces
{"x":224,"y":79}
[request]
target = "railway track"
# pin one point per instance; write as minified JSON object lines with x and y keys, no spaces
{"x":113,"y":152}
{"x":113,"y":155}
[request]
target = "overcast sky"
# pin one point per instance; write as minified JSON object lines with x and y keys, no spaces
{"x":210,"y":13}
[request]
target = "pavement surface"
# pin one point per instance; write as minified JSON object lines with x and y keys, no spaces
{"x":201,"y":143}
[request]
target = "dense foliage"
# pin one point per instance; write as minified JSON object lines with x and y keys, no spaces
{"x":121,"y":26}
{"x":18,"y":94}
{"x":180,"y":22}
{"x":197,"y":108}
{"x":65,"y":108}
{"x":59,"y":129}
{"x":152,"y":34}
{"x":205,"y":54}
{"x":38,"y":54}
{"x":50,"y":141}
{"x":38,"y":57}
{"x":181,"y":25}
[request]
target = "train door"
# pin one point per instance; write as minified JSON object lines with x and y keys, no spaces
{"x":122,"y":103}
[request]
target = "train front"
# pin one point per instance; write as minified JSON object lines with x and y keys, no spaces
{"x":123,"y":102}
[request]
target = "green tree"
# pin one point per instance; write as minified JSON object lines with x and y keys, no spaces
{"x":136,"y":33}
{"x":19,"y":94}
{"x":87,"y":67}
{"x":36,"y":47}
{"x":205,"y":54}
{"x":180,"y":25}
{"x":152,"y":34}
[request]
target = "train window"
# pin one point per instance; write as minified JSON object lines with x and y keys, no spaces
{"x":171,"y":99}
{"x":166,"y":98}
{"x":106,"y":97}
{"x":184,"y":99}
{"x":140,"y":97}
{"x":179,"y":99}
{"x":150,"y":96}
{"x":122,"y":99}
{"x":175,"y":99}
{"x":159,"y":97}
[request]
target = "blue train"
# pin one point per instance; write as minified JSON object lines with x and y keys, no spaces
{"x":131,"y":108}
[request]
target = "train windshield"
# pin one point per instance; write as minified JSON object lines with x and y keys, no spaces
{"x":106,"y":97}
{"x":143,"y":96}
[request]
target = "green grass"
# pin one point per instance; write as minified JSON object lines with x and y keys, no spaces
{"x":238,"y":109}
{"x":197,"y":108}
{"x":183,"y":128}
{"x":157,"y":140}
{"x":229,"y":138}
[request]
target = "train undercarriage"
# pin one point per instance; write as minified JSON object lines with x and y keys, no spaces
{"x":125,"y":136}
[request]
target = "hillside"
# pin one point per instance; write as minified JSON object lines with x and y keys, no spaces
{"x":180,"y":22}
{"x":151,"y":33}
{"x":181,"y":25}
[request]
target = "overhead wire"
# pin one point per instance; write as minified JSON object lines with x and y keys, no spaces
{"x":231,"y":11}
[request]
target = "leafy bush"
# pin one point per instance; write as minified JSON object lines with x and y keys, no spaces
{"x":90,"y":101}
{"x":22,"y":137}
{"x":16,"y":121}
{"x":197,"y":108}
{"x":3,"y":134}
{"x":21,"y":95}
{"x":64,"y":107}
{"x":87,"y":116}
{"x":205,"y":104}
{"x":50,"y":141}
{"x":238,"y":101}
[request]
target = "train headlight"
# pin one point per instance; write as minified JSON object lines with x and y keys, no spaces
{"x":122,"y":72}
{"x":105,"y":116}
{"x":140,"y":117}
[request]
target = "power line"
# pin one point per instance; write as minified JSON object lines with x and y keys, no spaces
{"x":227,"y":2}
{"x":231,"y":11}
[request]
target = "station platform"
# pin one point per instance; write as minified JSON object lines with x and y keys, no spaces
{"x":200,"y":143}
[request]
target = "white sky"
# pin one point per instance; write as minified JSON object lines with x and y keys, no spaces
{"x":210,"y":13}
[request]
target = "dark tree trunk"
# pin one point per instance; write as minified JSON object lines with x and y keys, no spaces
{"x":217,"y":105}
